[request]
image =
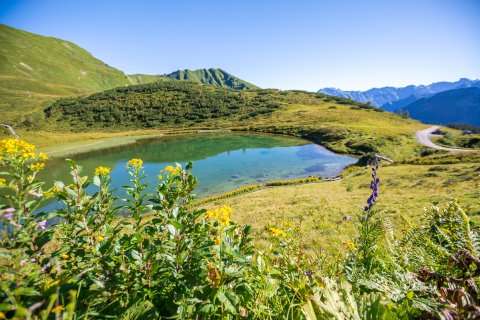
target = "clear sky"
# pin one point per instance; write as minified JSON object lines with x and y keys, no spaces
{"x":349,"y":44}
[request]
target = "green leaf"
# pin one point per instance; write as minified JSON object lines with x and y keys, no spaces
{"x":171,"y":229}
{"x":227,"y":302}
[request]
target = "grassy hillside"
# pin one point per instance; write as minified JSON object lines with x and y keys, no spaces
{"x":213,"y":76}
{"x":146,"y":78}
{"x":340,"y":124}
{"x":216,"y":77}
{"x":323,"y":209}
{"x":35,"y":69}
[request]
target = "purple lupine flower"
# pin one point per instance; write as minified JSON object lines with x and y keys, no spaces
{"x":9,"y":210}
{"x":42,"y":224}
{"x":8,"y":215}
{"x":373,"y":186}
{"x":22,"y":262}
{"x":12,"y":239}
{"x":33,"y":259}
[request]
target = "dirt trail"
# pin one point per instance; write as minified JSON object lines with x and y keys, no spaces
{"x":423,"y":137}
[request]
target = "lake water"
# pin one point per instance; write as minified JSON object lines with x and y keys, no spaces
{"x":221,"y":162}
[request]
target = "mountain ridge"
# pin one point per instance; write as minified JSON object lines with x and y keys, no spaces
{"x":392,"y":98}
{"x":213,"y":76}
{"x":451,"y":106}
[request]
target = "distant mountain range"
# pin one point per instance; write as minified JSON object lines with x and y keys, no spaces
{"x":392,"y":99}
{"x":440,"y":102}
{"x":35,"y":69}
{"x":213,"y":76}
{"x":451,"y":106}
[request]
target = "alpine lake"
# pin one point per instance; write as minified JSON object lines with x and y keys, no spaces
{"x":221,"y":161}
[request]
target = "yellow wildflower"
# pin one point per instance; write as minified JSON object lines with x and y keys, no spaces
{"x":173,"y":170}
{"x":410,"y":295}
{"x":2,"y":315}
{"x":37,"y":166}
{"x":277,"y":232}
{"x":100,"y":238}
{"x":136,"y":163}
{"x":42,"y":156}
{"x":217,"y":240}
{"x":48,"y":194}
{"x":349,"y":245}
{"x":226,"y":210}
{"x":225,"y":219}
{"x":51,"y":192}
{"x":28,"y":155}
{"x":3,"y":182}
{"x":213,"y":214}
{"x":222,"y":214}
{"x":58,"y":308}
{"x":102,"y":171}
{"x":64,"y":256}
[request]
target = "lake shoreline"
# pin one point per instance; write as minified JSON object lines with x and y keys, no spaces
{"x":92,"y":145}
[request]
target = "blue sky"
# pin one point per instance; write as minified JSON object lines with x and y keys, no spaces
{"x":349,"y":44}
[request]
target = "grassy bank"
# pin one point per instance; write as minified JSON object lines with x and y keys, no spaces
{"x":326,"y":211}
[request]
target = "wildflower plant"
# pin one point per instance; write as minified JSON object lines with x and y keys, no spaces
{"x":24,"y":236}
{"x":163,"y":258}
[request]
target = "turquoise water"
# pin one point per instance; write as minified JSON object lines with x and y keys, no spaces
{"x":221,"y":162}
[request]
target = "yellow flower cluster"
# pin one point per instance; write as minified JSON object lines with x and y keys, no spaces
{"x":277,"y":232}
{"x":173,"y":170}
{"x":136,"y":163}
{"x":3,"y":182}
{"x":14,"y":147}
{"x":20,"y":150}
{"x":51,"y":192}
{"x":37,"y":166}
{"x":102,"y":171}
{"x":222,"y":214}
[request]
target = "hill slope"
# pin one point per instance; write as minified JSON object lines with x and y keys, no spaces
{"x":391,"y":98}
{"x":175,"y":106}
{"x":34,"y":68}
{"x":452,"y":106}
{"x":213,"y":76}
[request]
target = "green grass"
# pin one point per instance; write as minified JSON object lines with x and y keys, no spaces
{"x":35,"y":69}
{"x":326,"y":211}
